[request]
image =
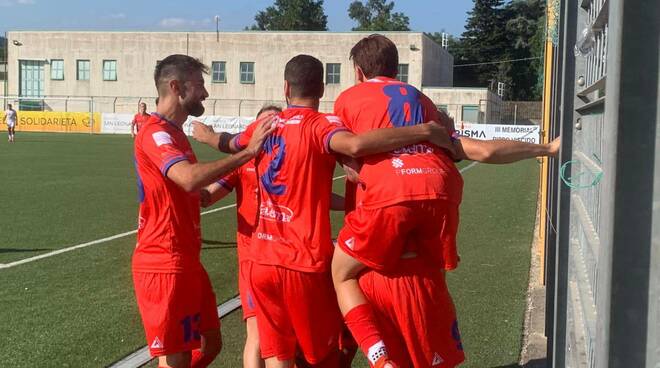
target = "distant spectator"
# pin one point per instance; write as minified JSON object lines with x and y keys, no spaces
{"x":140,"y":118}
{"x":10,"y":118}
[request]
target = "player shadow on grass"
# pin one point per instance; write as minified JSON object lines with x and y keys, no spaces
{"x":220,"y":244}
{"x":535,"y":363}
{"x":22,"y":250}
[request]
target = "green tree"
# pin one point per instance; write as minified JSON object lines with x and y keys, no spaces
{"x":377,"y":15}
{"x":495,"y":33}
{"x":484,"y":40}
{"x":525,"y":28}
{"x":292,"y":15}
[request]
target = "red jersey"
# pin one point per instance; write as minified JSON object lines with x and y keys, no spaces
{"x":295,"y":181}
{"x":169,"y":238}
{"x":244,"y":180}
{"x":140,"y":120}
{"x":418,"y":172}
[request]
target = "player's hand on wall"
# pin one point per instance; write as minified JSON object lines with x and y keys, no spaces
{"x":553,"y":147}
{"x":263,"y":129}
{"x":202,"y":133}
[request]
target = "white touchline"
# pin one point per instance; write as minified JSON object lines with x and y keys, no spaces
{"x":142,"y":357}
{"x":103,"y":240}
{"x":468,"y":167}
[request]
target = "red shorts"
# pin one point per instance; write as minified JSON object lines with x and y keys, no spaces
{"x":379,"y":237}
{"x":415,"y":315}
{"x":295,"y":309}
{"x":175,"y":309}
{"x":245,"y":293}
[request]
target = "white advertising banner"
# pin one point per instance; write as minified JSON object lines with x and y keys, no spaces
{"x":522,"y":133}
{"x":116,"y":123}
{"x":229,"y":124}
{"x":121,"y":123}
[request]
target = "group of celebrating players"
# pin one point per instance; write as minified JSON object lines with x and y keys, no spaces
{"x":308,"y":302}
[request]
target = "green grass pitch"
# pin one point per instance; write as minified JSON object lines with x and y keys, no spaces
{"x":77,"y":309}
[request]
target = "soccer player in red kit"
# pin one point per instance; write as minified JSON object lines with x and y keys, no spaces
{"x":291,"y":245}
{"x":139,"y":119}
{"x":404,"y":224}
{"x":244,"y":181}
{"x":173,"y":292}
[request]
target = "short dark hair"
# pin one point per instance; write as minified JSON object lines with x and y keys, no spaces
{"x":269,"y":108}
{"x":305,"y":76}
{"x":176,"y":67}
{"x":377,"y":56}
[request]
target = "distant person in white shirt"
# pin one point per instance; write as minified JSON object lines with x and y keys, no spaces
{"x":10,"y":119}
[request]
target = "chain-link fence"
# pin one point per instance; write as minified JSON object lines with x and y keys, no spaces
{"x":110,"y":104}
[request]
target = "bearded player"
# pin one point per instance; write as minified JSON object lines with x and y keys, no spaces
{"x":174,"y":295}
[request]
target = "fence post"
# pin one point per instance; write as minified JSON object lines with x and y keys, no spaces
{"x":515,"y":114}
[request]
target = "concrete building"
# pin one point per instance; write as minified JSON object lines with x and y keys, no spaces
{"x":112,"y":71}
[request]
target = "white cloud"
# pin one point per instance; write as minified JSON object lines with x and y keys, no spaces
{"x":179,"y":23}
{"x":117,"y":16}
{"x":8,"y":3}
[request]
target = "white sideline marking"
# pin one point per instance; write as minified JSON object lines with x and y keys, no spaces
{"x":468,"y":167}
{"x":142,"y":357}
{"x":103,"y":240}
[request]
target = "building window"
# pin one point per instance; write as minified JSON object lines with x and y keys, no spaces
{"x":57,"y":69}
{"x":442,"y":108}
{"x":82,"y":70}
{"x":247,"y":72}
{"x":109,"y":70}
{"x":470,"y":113}
{"x":332,"y":72}
{"x":218,"y":74}
{"x":403,"y":73}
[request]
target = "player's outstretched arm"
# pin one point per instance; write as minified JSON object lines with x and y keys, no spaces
{"x":192,"y":177}
{"x":503,"y":152}
{"x":212,"y":193}
{"x":389,"y":139}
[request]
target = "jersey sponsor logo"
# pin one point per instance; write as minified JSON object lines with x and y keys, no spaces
{"x":437,"y":360}
{"x":161,"y":138}
{"x":397,"y":163}
{"x":156,"y":344}
{"x":419,"y":171}
{"x":415,"y":149}
{"x":294,"y":120}
{"x":273,"y":212}
{"x":265,"y":236}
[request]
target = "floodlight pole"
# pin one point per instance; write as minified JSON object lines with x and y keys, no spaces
{"x":6,"y":72}
{"x":217,"y":28}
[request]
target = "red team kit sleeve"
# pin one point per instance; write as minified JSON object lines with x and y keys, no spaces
{"x":162,"y":150}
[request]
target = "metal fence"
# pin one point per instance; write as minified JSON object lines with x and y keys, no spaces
{"x":111,"y":104}
{"x":493,"y":112}
{"x":604,"y":268}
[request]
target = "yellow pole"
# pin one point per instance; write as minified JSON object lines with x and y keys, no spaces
{"x":545,"y":138}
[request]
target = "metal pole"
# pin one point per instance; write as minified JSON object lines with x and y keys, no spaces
{"x":6,"y":71}
{"x":217,"y":28}
{"x":568,"y":33}
{"x":515,"y":114}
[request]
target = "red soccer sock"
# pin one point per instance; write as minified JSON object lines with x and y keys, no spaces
{"x":200,"y":360}
{"x":362,"y":324}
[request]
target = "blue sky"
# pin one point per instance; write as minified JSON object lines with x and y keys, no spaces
{"x":197,"y":15}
